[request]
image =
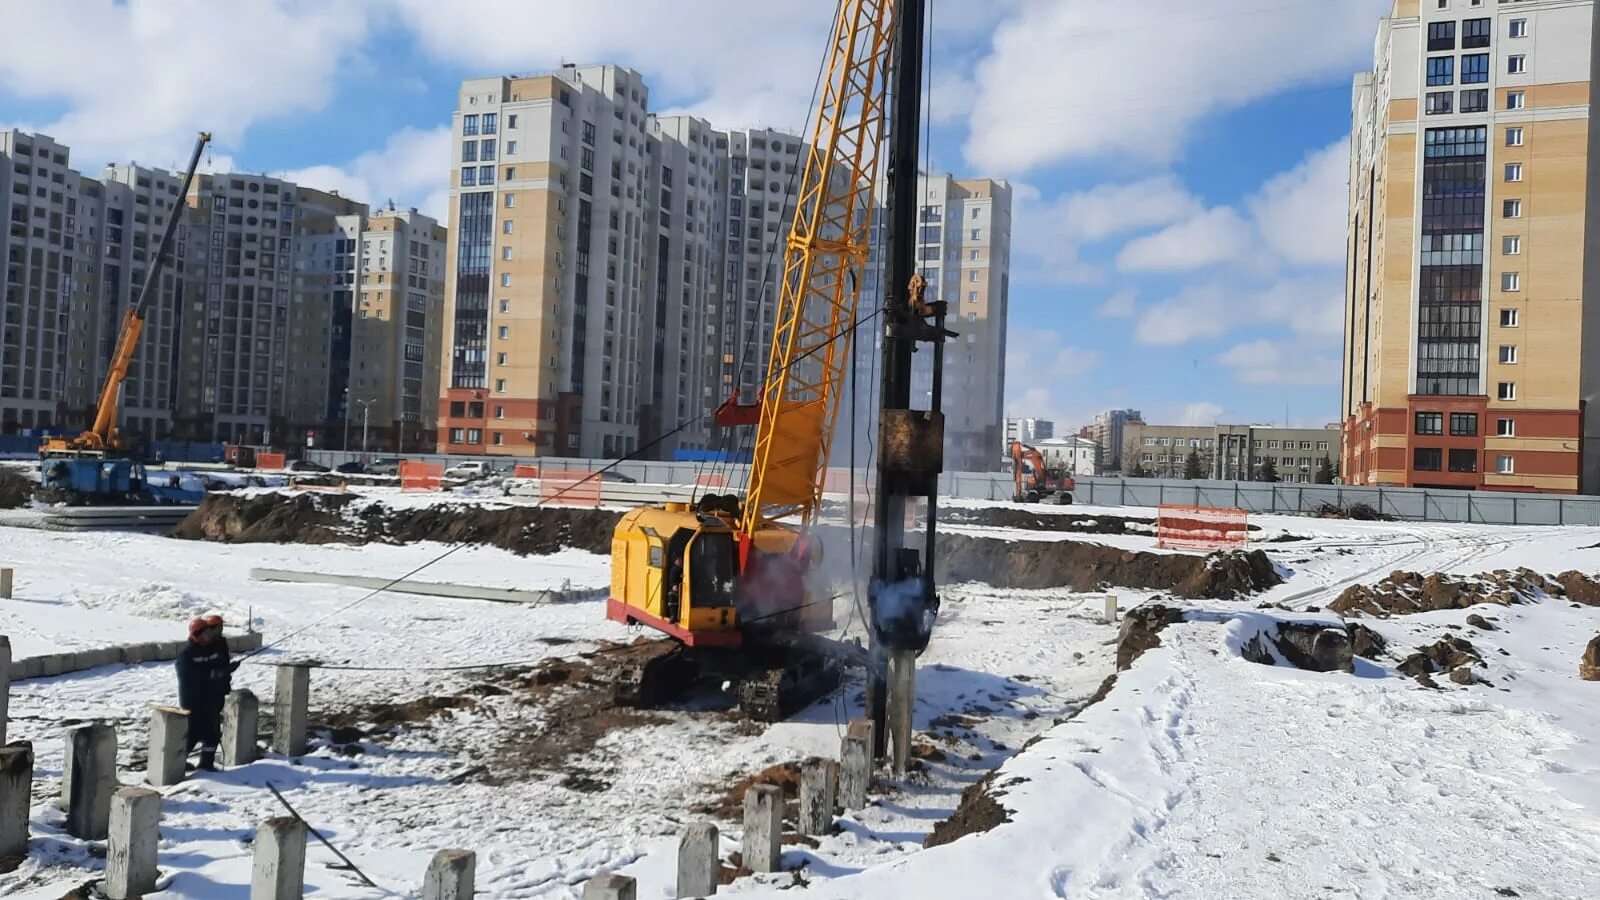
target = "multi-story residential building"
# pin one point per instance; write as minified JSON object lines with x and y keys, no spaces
{"x":545,"y":298}
{"x":1075,"y":455}
{"x":328,"y":274}
{"x":964,"y":252}
{"x":1470,"y":348}
{"x":757,"y":182}
{"x":1107,"y":431}
{"x":395,"y":333}
{"x":1028,"y":431}
{"x":1228,"y":452}
{"x":239,"y":374}
{"x":682,"y":254}
{"x":39,"y":246}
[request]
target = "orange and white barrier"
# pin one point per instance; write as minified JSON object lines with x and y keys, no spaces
{"x":268,"y":460}
{"x":569,"y":488}
{"x":420,"y":476}
{"x":1201,"y":528}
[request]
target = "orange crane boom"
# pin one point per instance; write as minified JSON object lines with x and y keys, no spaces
{"x":102,"y":436}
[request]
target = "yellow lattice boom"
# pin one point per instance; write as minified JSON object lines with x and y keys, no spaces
{"x":824,"y":260}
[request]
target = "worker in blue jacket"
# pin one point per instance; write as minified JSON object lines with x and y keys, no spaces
{"x":205,"y":676}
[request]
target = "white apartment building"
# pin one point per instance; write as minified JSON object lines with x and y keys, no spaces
{"x":1028,"y":431}
{"x":964,"y":252}
{"x":39,"y":248}
{"x":682,"y":267}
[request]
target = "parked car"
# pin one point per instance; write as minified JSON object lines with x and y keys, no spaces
{"x":471,"y":469}
{"x":384,"y":465}
{"x":306,"y":465}
{"x":350,"y":468}
{"x":618,"y":477}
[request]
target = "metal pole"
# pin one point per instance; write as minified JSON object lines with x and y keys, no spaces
{"x":366,"y":410}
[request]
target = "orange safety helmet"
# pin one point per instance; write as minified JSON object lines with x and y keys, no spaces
{"x":201,"y":623}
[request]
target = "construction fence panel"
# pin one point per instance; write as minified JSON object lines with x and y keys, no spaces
{"x":569,"y":487}
{"x":416,"y":475}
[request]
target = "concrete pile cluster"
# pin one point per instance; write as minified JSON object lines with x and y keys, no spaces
{"x":1403,"y":593}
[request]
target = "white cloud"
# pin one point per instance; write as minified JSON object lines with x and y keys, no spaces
{"x":1118,"y":306}
{"x":1043,"y":248}
{"x":1301,"y":213}
{"x":1044,"y":376}
{"x":1108,"y":210}
{"x":1200,"y":414}
{"x":139,"y":78}
{"x":1101,"y":78}
{"x":411,"y":169}
{"x":1311,"y":306}
{"x":1275,"y":362}
{"x":1215,"y":236}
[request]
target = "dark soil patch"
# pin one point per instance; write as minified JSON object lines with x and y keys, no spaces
{"x":1452,"y":656}
{"x":978,"y":811}
{"x":16,"y":489}
{"x":1403,"y":593}
{"x":324,"y":518}
{"x":376,"y":719}
{"x":1088,"y":567}
{"x":1360,"y":512}
{"x":1141,"y":631}
{"x":1006,"y":517}
{"x":731,"y":804}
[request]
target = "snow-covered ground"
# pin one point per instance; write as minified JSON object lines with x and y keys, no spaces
{"x":1200,"y":775}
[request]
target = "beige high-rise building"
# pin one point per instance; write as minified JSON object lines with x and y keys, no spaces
{"x":1471,"y":348}
{"x":582,"y":269}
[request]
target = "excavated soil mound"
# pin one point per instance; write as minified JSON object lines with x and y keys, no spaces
{"x":1450,"y":655}
{"x":331,"y":518}
{"x":1005,"y":517}
{"x":16,"y":489}
{"x":730,"y":805}
{"x":1403,"y":593}
{"x":978,"y":811}
{"x":1087,"y":567}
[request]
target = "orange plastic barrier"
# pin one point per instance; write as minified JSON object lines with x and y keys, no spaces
{"x":569,"y":488}
{"x":420,"y":476}
{"x":710,"y":480}
{"x":525,"y":471}
{"x":1201,"y":528}
{"x":266,"y":460}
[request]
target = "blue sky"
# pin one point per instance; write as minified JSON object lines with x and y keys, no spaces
{"x":1179,"y":165}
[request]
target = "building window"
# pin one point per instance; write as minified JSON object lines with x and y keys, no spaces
{"x":511,"y":148}
{"x":1504,"y":465}
{"x":1519,"y":28}
{"x":486,"y":174}
{"x":1510,"y":281}
{"x":1441,"y":70}
{"x":474,"y":435}
{"x":505,"y":306}
{"x":499,"y":385}
{"x":503,"y":332}
{"x":506,"y":227}
{"x":1511,"y":245}
{"x":972,"y":276}
{"x":486,"y":149}
{"x":1508,"y":354}
{"x":1475,"y":100}
{"x":469,"y":151}
{"x":500,"y":359}
{"x":1474,"y":68}
{"x":499,"y":439}
{"x":469,"y":124}
{"x":1508,"y":318}
{"x":1505,"y":427}
{"x":505,"y":279}
{"x":505,"y":252}
{"x":1427,"y":459}
{"x":1475,"y":33}
{"x":1464,"y":424}
{"x":458,"y":436}
{"x":1463,"y":460}
{"x":1513,"y":137}
{"x":1516,"y":99}
{"x":1430,"y":423}
{"x":1512,"y":209}
{"x":1513,"y":171}
{"x":977,"y":234}
{"x":511,"y":200}
{"x":1507,"y":390}
{"x":489,"y":120}
{"x":1441,"y":36}
{"x":469,"y":176}
{"x":511,"y":120}
{"x":1439,"y":102}
{"x":1516,"y":64}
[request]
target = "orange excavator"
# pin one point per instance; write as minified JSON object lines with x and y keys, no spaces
{"x":1035,"y":481}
